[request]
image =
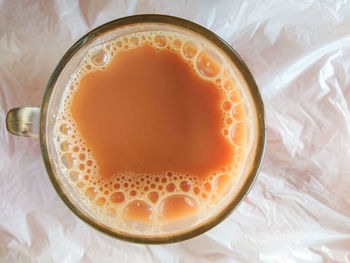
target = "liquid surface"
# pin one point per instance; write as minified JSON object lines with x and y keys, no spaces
{"x":149,"y":112}
{"x":153,"y":133}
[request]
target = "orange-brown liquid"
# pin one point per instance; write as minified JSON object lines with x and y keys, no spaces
{"x":154,"y":134}
{"x":149,"y":112}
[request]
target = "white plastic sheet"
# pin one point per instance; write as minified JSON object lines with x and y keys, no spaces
{"x":298,"y":209}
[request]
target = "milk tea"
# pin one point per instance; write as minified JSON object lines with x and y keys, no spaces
{"x":153,"y":132}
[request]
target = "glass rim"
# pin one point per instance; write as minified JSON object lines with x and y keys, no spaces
{"x":251,"y":85}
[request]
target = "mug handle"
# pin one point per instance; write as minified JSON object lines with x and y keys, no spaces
{"x":24,"y":121}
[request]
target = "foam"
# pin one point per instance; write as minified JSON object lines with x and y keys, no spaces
{"x":149,"y":203}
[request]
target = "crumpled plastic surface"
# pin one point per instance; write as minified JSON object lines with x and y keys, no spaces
{"x":299,"y":207}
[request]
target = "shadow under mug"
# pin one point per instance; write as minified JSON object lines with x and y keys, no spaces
{"x":39,"y":122}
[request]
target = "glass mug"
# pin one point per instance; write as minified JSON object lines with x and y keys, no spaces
{"x":40,"y":122}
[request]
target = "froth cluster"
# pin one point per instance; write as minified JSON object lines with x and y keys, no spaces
{"x":149,"y":203}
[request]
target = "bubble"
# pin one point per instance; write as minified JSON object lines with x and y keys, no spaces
{"x":117,"y":197}
{"x":177,"y":43}
{"x":138,"y":211}
{"x":101,"y":201}
{"x":111,"y":212}
{"x":208,"y":63}
{"x":239,"y":133}
{"x":74,"y":176}
{"x":240,"y":155}
{"x":119,"y":44}
{"x":170,"y":187}
{"x":160,"y":40}
{"x":221,"y":183}
{"x":100,"y":58}
{"x":227,"y":105}
{"x":135,"y":41}
{"x":177,"y":206}
{"x":196,"y":190}
{"x":228,"y":85}
{"x":185,"y":186}
{"x":235,"y":96}
{"x":82,"y":156}
{"x":133,"y":193}
{"x":65,"y":129}
{"x":68,"y":160}
{"x":239,"y":112}
{"x":189,"y":49}
{"x":229,"y":121}
{"x":91,"y":192}
{"x":153,"y":197}
{"x":81,"y":184}
{"x":81,"y":166}
{"x":65,"y":146}
{"x":207,"y":186}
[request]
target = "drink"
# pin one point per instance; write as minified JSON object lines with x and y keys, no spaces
{"x":153,"y":132}
{"x":151,"y":129}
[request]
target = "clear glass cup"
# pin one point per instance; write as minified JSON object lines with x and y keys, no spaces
{"x":39,"y":122}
